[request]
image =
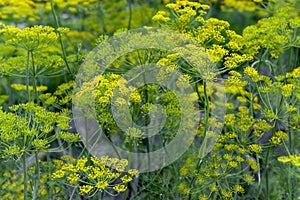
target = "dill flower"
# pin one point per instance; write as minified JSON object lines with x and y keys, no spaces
{"x":230,"y":147}
{"x":184,"y":189}
{"x":294,"y":74}
{"x":29,"y":38}
{"x":227,"y":194}
{"x":248,"y":178}
{"x":40,"y":144}
{"x":235,"y":81}
{"x":203,"y":197}
{"x":99,"y":175}
{"x":242,"y":99}
{"x":253,"y":164}
{"x":230,"y":119}
{"x":284,"y":159}
{"x":80,"y":165}
{"x":235,"y":60}
{"x":238,"y":188}
{"x":270,"y":115}
{"x":102,"y":185}
{"x":240,"y":6}
{"x":21,"y":87}
{"x":135,"y":97}
{"x":58,"y":174}
{"x":227,"y":156}
{"x":132,"y":172}
{"x":19,"y":10}
{"x":120,"y":188}
{"x":133,"y":134}
{"x":293,"y":159}
{"x":287,"y":90}
{"x":277,"y":138}
{"x":85,"y":189}
{"x":217,"y":52}
{"x":255,"y":148}
{"x":252,"y":74}
{"x":183,"y":81}
{"x":16,"y":124}
{"x":291,"y":108}
{"x":281,"y":134}
{"x":161,"y":16}
{"x":126,"y":179}
{"x":229,"y":106}
{"x":233,"y":164}
{"x":73,"y":178}
{"x":239,"y":159}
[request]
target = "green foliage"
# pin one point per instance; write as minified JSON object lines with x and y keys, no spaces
{"x":254,"y":46}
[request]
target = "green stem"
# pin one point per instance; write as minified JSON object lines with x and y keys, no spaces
{"x":60,"y":39}
{"x":290,"y":59}
{"x":86,"y":132}
{"x":290,"y":189}
{"x":101,"y":16}
{"x":290,"y":150}
{"x":206,"y":104}
{"x":296,"y":52}
{"x":267,"y":164}
{"x":197,"y":91}
{"x":131,"y":144}
{"x":27,"y":75}
{"x":267,"y":173}
{"x":130,"y":14}
{"x":34,"y":78}
{"x":260,"y":60}
{"x":37,"y":176}
{"x":206,"y":117}
{"x":25,"y":176}
{"x":146,"y":130}
{"x":49,"y":187}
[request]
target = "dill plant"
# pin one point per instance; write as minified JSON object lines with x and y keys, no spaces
{"x":259,"y":88}
{"x":256,"y":153}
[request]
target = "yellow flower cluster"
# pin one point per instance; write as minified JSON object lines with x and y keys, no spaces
{"x":287,"y":90}
{"x":223,"y":44}
{"x":214,"y":170}
{"x":235,"y":80}
{"x":273,"y":33}
{"x":185,"y":12}
{"x":253,"y":164}
{"x":29,"y":38}
{"x":294,"y":74}
{"x":61,"y":97}
{"x":252,"y":74}
{"x":108,"y":86}
{"x":235,"y":60}
{"x":184,"y":189}
{"x":71,"y":5}
{"x":161,"y":16}
{"x":38,"y":136}
{"x":293,"y":159}
{"x":183,"y":81}
{"x":133,"y":134}
{"x":97,"y":176}
{"x":238,"y":188}
{"x":19,"y":10}
{"x":278,"y":137}
{"x":12,"y":183}
{"x":21,"y":87}
{"x":217,"y":52}
{"x":255,"y":148}
{"x":240,"y":5}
